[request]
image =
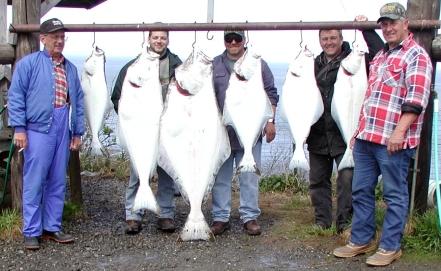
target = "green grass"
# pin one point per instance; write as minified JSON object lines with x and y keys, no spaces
{"x":117,"y":167}
{"x":283,"y":183}
{"x":10,"y":224}
{"x":72,"y":211}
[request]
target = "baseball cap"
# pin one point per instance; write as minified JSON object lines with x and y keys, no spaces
{"x":393,"y":11}
{"x":237,"y":32}
{"x":51,"y":25}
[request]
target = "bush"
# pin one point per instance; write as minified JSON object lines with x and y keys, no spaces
{"x":282,"y":183}
{"x":10,"y":224}
{"x":426,"y":236}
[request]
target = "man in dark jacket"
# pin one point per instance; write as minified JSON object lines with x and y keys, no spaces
{"x":168,"y":62}
{"x":325,"y":142}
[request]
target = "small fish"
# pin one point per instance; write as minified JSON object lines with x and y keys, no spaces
{"x":193,"y":141}
{"x":247,"y":107}
{"x":96,"y":96}
{"x":301,"y":104}
{"x":349,"y":91}
{"x":140,"y":108}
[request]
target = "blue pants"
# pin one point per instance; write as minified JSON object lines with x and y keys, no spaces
{"x":164,"y":195}
{"x":44,"y":176}
{"x":371,"y":160}
{"x":248,"y":185}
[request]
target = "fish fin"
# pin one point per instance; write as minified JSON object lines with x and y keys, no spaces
{"x":347,"y":161}
{"x":299,"y":160}
{"x":145,"y":199}
{"x":195,"y":228}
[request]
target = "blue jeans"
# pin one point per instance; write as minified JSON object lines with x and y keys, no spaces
{"x":44,"y":176}
{"x":371,"y":160}
{"x":164,"y":195}
{"x":248,"y":185}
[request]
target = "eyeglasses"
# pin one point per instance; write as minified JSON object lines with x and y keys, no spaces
{"x":57,"y":37}
{"x":231,"y":37}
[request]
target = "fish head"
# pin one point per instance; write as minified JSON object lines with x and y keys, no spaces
{"x":144,"y":69}
{"x":192,"y":74}
{"x":246,"y":66}
{"x":95,"y":60}
{"x":352,"y":63}
{"x":302,"y":63}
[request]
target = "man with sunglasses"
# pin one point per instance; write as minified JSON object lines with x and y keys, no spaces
{"x":168,"y":62}
{"x":249,"y":211}
{"x":46,"y":110}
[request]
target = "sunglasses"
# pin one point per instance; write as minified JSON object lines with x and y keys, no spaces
{"x":231,"y":37}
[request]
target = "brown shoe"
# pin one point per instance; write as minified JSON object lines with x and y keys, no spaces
{"x":383,"y":257}
{"x":252,"y":228}
{"x":218,"y":227}
{"x":351,"y":250}
{"x":166,"y":224}
{"x":133,"y":227}
{"x":58,"y":236}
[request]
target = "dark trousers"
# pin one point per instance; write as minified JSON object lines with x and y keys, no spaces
{"x":320,"y":190}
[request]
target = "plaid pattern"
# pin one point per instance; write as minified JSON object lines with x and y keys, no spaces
{"x":60,"y":82}
{"x":398,"y":76}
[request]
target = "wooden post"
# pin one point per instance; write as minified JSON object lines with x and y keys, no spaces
{"x":418,"y":10}
{"x":23,"y":12}
{"x":76,"y":194}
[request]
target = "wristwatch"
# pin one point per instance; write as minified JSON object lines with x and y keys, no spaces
{"x":271,"y":120}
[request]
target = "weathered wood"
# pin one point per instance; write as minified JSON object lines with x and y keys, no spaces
{"x":7,"y":54}
{"x":76,"y":195}
{"x":17,"y":180}
{"x":3,"y":21}
{"x":427,"y":9}
{"x":436,"y":49}
{"x":48,"y":5}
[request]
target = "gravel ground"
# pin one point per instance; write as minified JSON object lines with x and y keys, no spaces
{"x":100,"y":244}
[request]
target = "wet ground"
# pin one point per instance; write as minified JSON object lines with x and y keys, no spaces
{"x":100,"y":242}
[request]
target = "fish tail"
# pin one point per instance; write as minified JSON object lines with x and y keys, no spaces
{"x":97,"y":147}
{"x":248,"y":164}
{"x":145,"y":199}
{"x":347,"y":161}
{"x":299,"y":160}
{"x":196,"y":228}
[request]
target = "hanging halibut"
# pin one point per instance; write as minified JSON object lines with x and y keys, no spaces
{"x":247,"y":107}
{"x":301,"y":104}
{"x":349,"y":91}
{"x":193,"y":141}
{"x":140,"y":108}
{"x":96,"y":96}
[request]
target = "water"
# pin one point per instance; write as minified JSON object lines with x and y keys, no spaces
{"x":277,"y":154}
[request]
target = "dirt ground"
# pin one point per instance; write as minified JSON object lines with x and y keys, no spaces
{"x":100,"y":242}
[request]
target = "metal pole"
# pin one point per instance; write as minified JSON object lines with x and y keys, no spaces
{"x":210,"y":11}
{"x":415,"y":25}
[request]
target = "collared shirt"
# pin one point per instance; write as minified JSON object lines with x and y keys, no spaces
{"x":398,"y":78}
{"x":60,"y":82}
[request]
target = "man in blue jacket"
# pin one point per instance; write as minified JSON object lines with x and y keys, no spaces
{"x":249,"y":211}
{"x":45,"y":106}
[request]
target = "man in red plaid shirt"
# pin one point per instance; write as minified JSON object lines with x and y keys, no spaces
{"x":389,"y":132}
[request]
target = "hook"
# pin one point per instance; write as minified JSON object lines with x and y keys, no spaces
{"x":355,"y":38}
{"x":93,"y":44}
{"x":209,"y":38}
{"x":301,"y":38}
{"x":247,"y":37}
{"x":194,"y":42}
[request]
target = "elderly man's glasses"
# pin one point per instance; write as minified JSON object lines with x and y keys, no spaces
{"x":57,"y":37}
{"x":229,"y":38}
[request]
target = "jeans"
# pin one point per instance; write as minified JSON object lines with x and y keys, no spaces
{"x":164,"y":195}
{"x":371,"y":160}
{"x":248,"y":185}
{"x":320,"y":189}
{"x":44,"y":176}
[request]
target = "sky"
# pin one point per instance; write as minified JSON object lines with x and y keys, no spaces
{"x":274,"y":46}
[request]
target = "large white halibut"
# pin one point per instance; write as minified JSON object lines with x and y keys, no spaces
{"x":193,"y":141}
{"x":349,"y":91}
{"x":247,"y":107}
{"x":96,"y":95}
{"x":301,"y":104}
{"x":140,"y":108}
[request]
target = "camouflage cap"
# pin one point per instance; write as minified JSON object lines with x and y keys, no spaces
{"x":237,"y":32}
{"x":393,"y":11}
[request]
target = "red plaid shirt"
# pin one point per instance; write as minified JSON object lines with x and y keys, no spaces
{"x":60,"y":82}
{"x":398,"y":76}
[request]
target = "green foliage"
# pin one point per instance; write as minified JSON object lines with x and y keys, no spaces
{"x":72,"y":211}
{"x":10,"y":224}
{"x":115,"y":167}
{"x":426,"y":236}
{"x":283,"y":183}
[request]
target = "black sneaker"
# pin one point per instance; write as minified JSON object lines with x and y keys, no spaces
{"x":58,"y":236}
{"x":31,"y":243}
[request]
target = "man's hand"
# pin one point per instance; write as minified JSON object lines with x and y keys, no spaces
{"x":396,"y":142}
{"x":75,"y":143}
{"x":270,"y":131}
{"x":21,"y":140}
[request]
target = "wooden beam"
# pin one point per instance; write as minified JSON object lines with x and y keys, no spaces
{"x":7,"y":54}
{"x":48,"y":5}
{"x":436,"y":49}
{"x":427,"y":9}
